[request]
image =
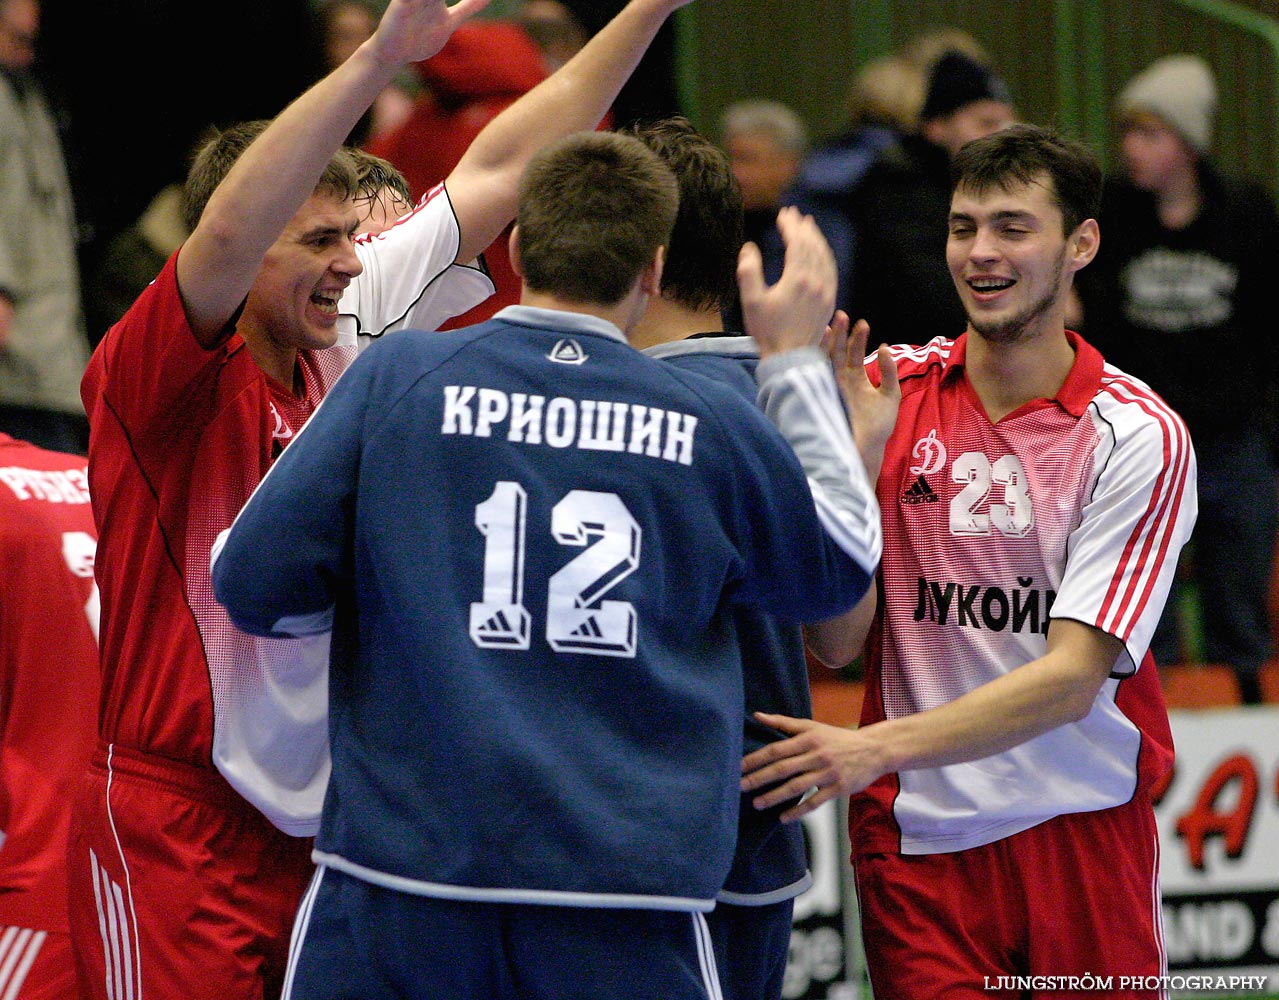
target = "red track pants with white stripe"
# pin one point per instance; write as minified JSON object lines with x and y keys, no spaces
{"x":178,"y":887}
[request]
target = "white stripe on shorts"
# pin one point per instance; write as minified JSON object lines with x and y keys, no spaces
{"x":300,"y":923}
{"x":706,"y":956}
{"x":18,"y":949}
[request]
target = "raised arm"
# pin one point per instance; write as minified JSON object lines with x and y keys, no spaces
{"x":483,"y":187}
{"x":796,"y":386}
{"x":872,"y":411}
{"x":278,"y":172}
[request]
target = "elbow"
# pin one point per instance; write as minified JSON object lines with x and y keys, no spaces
{"x":1077,"y":709}
{"x":834,"y":653}
{"x":1082,"y":696}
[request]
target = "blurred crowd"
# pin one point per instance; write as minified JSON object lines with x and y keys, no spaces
{"x":91,"y":203}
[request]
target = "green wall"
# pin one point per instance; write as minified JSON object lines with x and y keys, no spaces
{"x":1065,"y":60}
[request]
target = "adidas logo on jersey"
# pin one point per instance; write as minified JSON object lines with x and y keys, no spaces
{"x":568,"y":352}
{"x":919,"y":492}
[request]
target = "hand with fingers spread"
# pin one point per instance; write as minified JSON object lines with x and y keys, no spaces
{"x":872,"y":408}
{"x":794,"y":312}
{"x":413,"y":30}
{"x":830,"y":759}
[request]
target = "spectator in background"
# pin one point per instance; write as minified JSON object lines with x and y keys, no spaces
{"x":898,"y":208}
{"x":48,"y":705}
{"x":765,"y":141}
{"x":343,"y":25}
{"x":883,"y":107}
{"x":1183,"y":282}
{"x":485,"y":67}
{"x":556,"y":30}
{"x":132,"y":258}
{"x":43,"y":347}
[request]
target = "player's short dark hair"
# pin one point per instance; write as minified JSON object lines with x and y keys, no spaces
{"x":218,"y":154}
{"x":1024,"y":154}
{"x":701,"y":258}
{"x":594,"y":208}
{"x":377,"y":175}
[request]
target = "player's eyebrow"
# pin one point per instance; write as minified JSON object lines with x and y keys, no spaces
{"x":1004,"y":215}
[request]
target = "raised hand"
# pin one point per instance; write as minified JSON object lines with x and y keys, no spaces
{"x":412,"y":30}
{"x":794,"y":312}
{"x":872,"y":408}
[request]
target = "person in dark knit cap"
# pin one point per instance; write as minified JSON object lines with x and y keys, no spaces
{"x":899,"y":210}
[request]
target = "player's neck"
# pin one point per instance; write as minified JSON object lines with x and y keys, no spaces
{"x":665,"y":321}
{"x":623,"y":314}
{"x":1007,"y":376}
{"x":279,"y":362}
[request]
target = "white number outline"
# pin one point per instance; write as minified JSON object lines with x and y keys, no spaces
{"x":79,"y":550}
{"x":1013,"y":518}
{"x":579,"y":619}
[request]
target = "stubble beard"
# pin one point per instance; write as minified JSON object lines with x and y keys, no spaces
{"x":1020,"y":326}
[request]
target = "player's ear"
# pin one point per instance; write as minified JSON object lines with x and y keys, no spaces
{"x":651,"y":279}
{"x":1084,"y":243}
{"x":513,"y":246}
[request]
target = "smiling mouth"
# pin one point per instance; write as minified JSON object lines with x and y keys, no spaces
{"x":988,"y":285}
{"x":326,"y":302}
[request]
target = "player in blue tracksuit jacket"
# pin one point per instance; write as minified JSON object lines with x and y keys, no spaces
{"x":528,"y":540}
{"x":751,"y":923}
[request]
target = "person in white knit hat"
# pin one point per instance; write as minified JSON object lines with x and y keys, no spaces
{"x":1182,"y":283}
{"x":1181,"y":91}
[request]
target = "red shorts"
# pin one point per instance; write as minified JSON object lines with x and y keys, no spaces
{"x":178,"y":887}
{"x":1076,"y":895}
{"x":36,"y":965}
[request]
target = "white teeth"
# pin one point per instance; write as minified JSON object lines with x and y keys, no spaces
{"x":326,"y":302}
{"x":990,"y":284}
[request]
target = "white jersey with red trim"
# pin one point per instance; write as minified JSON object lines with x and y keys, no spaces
{"x":1074,"y":507}
{"x":402,"y":287}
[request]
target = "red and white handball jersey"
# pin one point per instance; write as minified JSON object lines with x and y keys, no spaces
{"x":180,"y":437}
{"x":48,"y":672}
{"x":401,"y":287}
{"x":1074,"y":507}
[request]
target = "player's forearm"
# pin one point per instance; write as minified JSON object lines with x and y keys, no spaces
{"x":798,"y":393}
{"x":838,"y":641}
{"x":578,"y":94}
{"x":279,"y":170}
{"x":1058,"y":688}
{"x":573,"y":99}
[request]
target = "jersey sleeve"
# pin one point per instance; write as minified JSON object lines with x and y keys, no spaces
{"x":1122,"y":557}
{"x":150,"y":365}
{"x":798,"y":393}
{"x":808,"y":534}
{"x":410,"y":280}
